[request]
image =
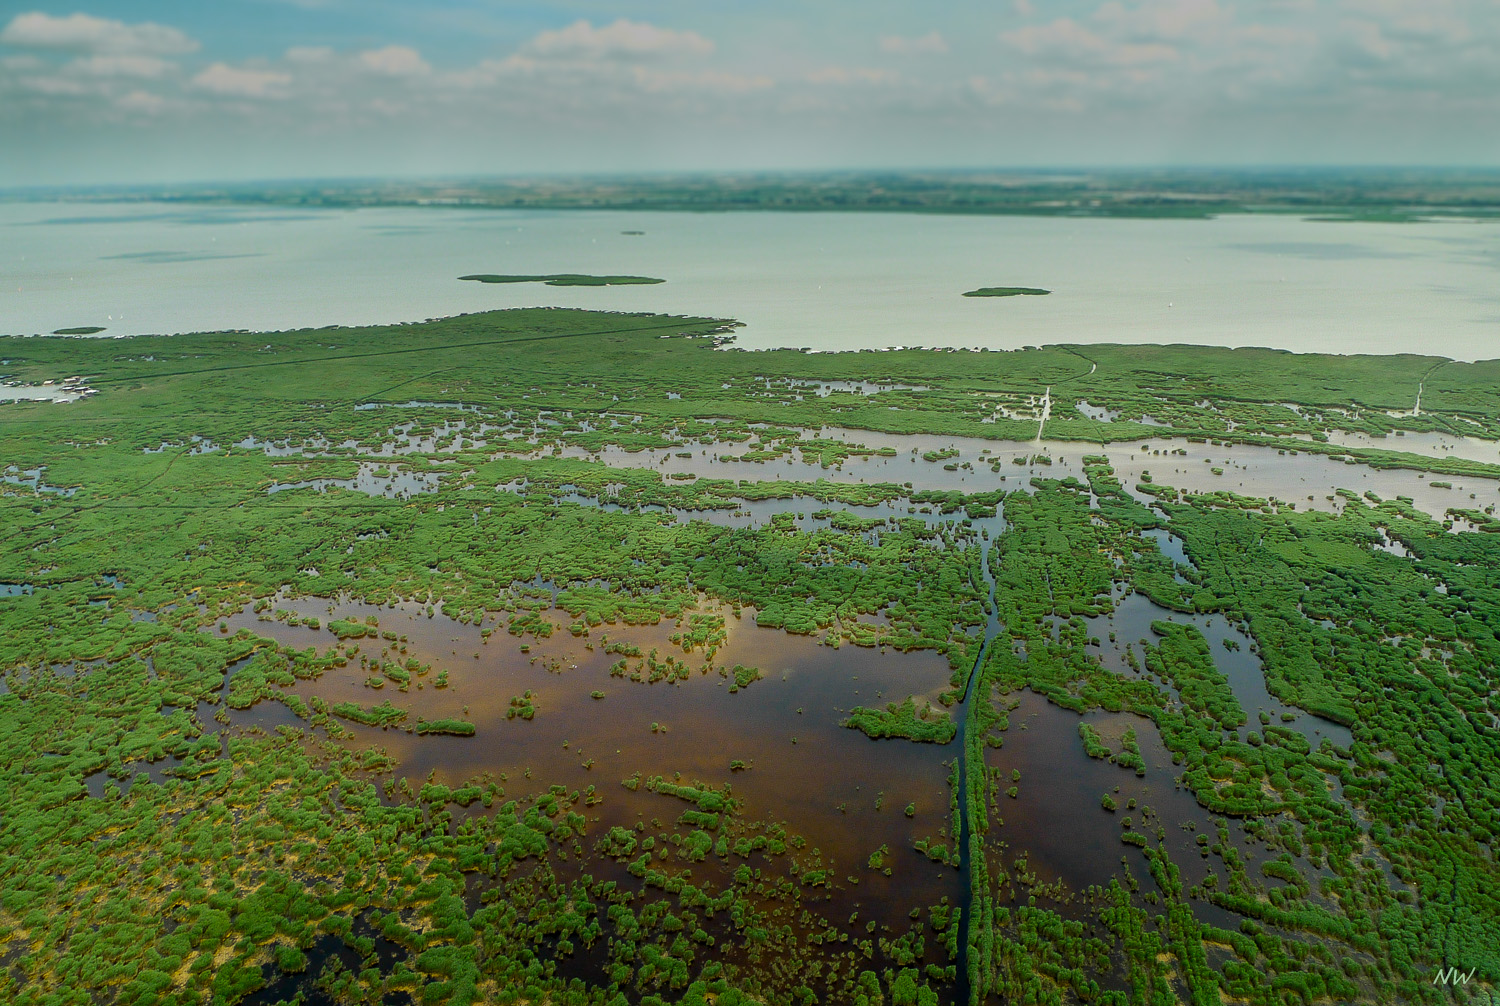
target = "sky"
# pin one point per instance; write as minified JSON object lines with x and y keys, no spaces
{"x":167,"y":91}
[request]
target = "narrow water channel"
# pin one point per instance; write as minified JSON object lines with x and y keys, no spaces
{"x":963,"y":989}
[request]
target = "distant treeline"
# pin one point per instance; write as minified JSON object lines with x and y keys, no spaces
{"x":1341,"y":194}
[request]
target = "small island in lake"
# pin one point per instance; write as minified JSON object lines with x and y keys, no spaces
{"x":1008,"y":291}
{"x":80,"y":330}
{"x":567,"y":279}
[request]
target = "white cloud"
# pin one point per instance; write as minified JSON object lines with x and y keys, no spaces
{"x":581,"y":67}
{"x":85,"y":33}
{"x":108,"y":65}
{"x":395,"y":61}
{"x":1198,"y":55}
{"x":1164,"y":19}
{"x":1180,"y":62}
{"x":622,"y":39}
{"x":845,"y":76}
{"x":21,"y":62}
{"x":242,"y":82}
{"x":697,"y":82}
{"x":140,"y":102}
{"x":1066,"y":40}
{"x":932,"y":42}
{"x":56,"y":86}
{"x":583,"y":83}
{"x":309,"y":54}
{"x":1368,"y":39}
{"x":1439,"y":20}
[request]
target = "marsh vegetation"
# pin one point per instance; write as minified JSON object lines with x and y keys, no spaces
{"x":1008,"y":291}
{"x":620,"y":706}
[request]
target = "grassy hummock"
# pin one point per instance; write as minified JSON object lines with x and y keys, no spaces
{"x":903,"y":720}
{"x":1008,"y":291}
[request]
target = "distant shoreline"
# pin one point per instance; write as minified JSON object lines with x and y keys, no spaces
{"x":1346,"y":195}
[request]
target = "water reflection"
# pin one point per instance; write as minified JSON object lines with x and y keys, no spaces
{"x":1234,"y":655}
{"x":1056,"y":822}
{"x":372,"y":480}
{"x":1306,"y":480}
{"x":844,"y":792}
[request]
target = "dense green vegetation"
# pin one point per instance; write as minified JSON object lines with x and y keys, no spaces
{"x":904,"y":720}
{"x":1328,"y":648}
{"x":1008,"y":291}
{"x":190,"y":817}
{"x":565,"y":279}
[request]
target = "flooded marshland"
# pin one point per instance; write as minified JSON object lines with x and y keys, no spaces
{"x":1055,"y":822}
{"x":1306,"y":480}
{"x":420,"y":455}
{"x":874,"y":813}
{"x":928,"y":713}
{"x":776,"y":742}
{"x":1234,"y":655}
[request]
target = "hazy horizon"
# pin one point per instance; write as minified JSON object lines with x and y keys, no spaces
{"x":1042,"y":173}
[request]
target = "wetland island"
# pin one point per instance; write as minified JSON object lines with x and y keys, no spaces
{"x":576,"y":657}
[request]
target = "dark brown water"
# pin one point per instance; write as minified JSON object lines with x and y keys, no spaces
{"x":1056,"y":823}
{"x":843,"y":792}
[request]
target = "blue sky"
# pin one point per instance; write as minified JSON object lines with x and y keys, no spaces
{"x":169,"y":90}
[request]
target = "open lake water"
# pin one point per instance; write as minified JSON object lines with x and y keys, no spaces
{"x":829,"y":281}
